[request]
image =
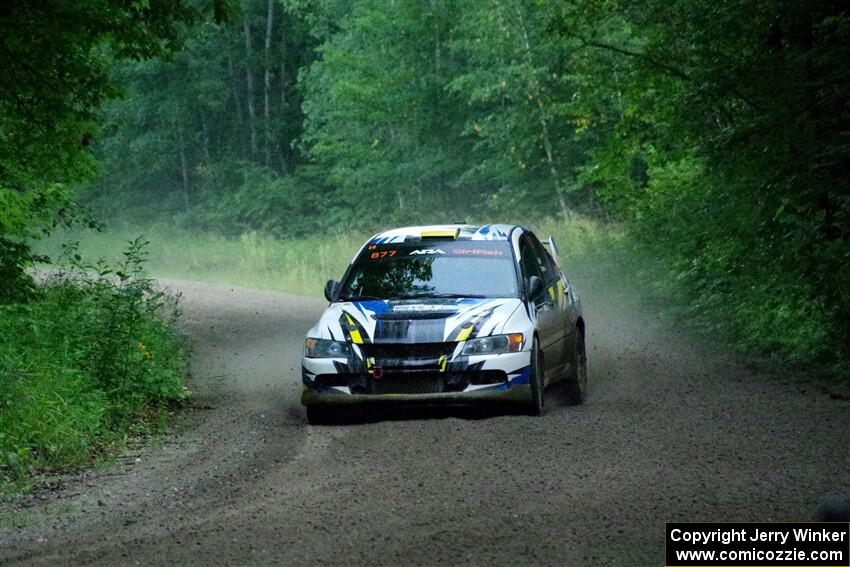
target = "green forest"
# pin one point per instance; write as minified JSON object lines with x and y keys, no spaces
{"x":712,"y":138}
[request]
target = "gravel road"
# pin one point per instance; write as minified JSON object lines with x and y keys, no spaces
{"x":670,"y":431}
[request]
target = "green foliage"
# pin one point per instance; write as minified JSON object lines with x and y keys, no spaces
{"x":20,"y":214}
{"x":92,"y":355}
{"x":276,"y":205}
{"x":16,"y":285}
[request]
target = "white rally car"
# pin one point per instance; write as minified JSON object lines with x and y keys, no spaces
{"x":446,"y":314}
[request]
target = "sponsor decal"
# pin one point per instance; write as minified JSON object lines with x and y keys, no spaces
{"x":477,"y":252}
{"x":427,"y":252}
{"x":422,"y":308}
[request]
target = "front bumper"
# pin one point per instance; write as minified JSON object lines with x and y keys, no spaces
{"x":518,"y":393}
{"x":328,"y":381}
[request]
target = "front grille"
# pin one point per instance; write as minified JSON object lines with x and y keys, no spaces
{"x":415,"y":351}
{"x":409,"y":357}
{"x":408,"y":383}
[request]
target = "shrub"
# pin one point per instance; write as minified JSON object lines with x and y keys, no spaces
{"x":93,"y":355}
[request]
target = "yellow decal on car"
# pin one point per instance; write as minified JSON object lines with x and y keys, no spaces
{"x":353,"y":332}
{"x":464,"y":333}
{"x":449,"y":233}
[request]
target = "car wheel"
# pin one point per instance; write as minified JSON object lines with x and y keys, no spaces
{"x":536,"y":380}
{"x":577,"y":379}
{"x":321,"y":415}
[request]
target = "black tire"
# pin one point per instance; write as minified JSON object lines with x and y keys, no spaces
{"x":576,"y":386}
{"x":535,"y":406}
{"x":322,"y":415}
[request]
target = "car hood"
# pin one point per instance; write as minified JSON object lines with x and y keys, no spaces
{"x":426,"y":320}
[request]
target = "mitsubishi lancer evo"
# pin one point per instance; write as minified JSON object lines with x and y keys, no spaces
{"x":452,"y":314}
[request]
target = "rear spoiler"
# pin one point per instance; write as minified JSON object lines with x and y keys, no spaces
{"x":553,"y":249}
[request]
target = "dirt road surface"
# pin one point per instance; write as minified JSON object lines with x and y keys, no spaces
{"x":669,"y":432}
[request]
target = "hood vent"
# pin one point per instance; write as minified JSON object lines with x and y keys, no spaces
{"x":410,"y":315}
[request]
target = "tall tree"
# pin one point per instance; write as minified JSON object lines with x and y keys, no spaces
{"x":249,"y":85}
{"x":267,"y":83}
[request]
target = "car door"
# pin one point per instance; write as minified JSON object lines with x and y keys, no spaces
{"x":542,"y":306}
{"x":555,"y":293}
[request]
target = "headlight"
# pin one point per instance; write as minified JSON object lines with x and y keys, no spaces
{"x":323,"y":348}
{"x":494,"y":345}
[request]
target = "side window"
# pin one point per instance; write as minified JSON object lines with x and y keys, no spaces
{"x":546,"y":266}
{"x":551,"y":266}
{"x":528,"y":261}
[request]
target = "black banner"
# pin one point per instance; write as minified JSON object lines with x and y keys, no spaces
{"x":757,"y":544}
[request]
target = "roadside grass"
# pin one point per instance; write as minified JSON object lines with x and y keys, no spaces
{"x":91,"y":360}
{"x":299,"y":266}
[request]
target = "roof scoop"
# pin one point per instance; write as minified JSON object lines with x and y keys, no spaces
{"x":450,"y":233}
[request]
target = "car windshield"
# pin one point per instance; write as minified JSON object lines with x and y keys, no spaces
{"x":432,"y":269}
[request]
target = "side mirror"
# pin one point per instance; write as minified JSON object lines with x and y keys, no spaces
{"x":535,"y":286}
{"x":331,"y":290}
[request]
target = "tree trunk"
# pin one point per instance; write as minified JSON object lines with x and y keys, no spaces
{"x":249,"y":85}
{"x":237,"y":101}
{"x":205,"y":132}
{"x":184,"y":164}
{"x":534,"y":86}
{"x":267,"y":83}
{"x":284,"y":143}
{"x":437,"y":53}
{"x":282,"y":74}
